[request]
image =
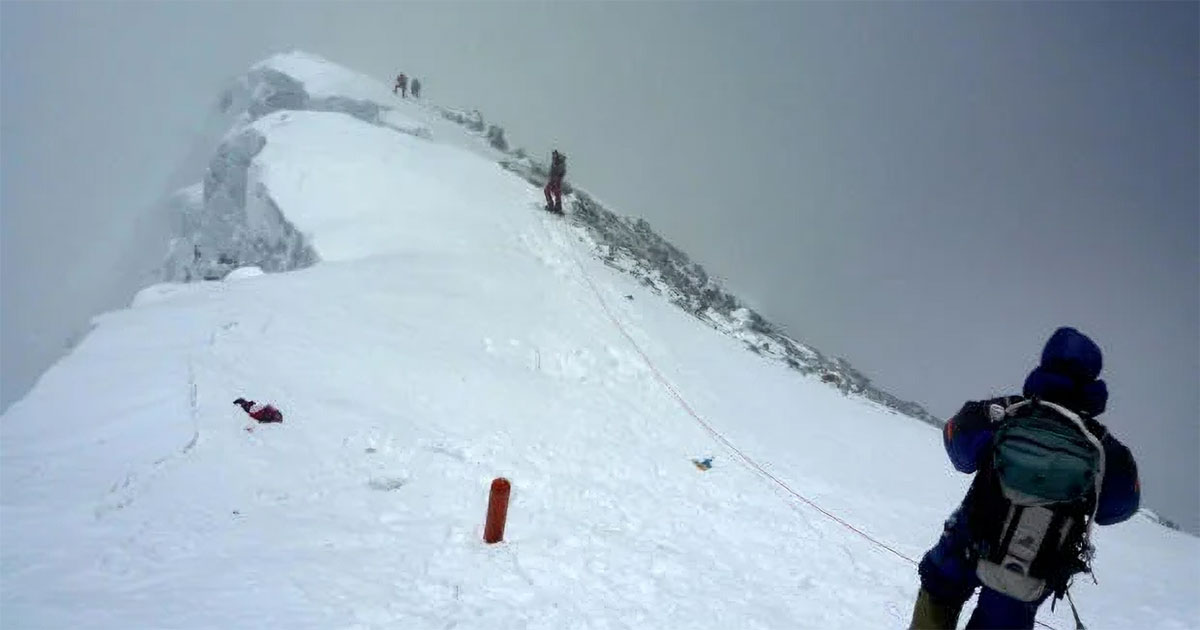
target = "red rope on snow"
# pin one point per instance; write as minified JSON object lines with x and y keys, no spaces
{"x":746,"y":459}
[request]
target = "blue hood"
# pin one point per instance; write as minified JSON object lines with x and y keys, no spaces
{"x":1067,"y":374}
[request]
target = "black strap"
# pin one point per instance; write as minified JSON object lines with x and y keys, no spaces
{"x":1007,"y":537}
{"x":1051,"y":561}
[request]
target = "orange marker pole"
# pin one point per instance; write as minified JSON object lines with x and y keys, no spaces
{"x":497,"y":512}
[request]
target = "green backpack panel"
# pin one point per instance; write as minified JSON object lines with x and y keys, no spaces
{"x":1043,"y":458}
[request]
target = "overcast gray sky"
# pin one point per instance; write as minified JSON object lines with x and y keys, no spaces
{"x":925,"y":189}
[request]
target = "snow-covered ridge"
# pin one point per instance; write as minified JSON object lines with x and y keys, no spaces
{"x":1158,"y":519}
{"x":238,"y":225}
{"x":632,"y":246}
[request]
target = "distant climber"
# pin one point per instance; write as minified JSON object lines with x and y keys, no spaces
{"x":1045,"y":472}
{"x":261,"y":412}
{"x":401,"y":85}
{"x":558,"y":170}
{"x":416,"y":87}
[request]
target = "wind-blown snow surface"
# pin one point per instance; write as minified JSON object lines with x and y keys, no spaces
{"x":452,"y":332}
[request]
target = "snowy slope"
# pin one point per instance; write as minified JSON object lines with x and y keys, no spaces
{"x":442,"y":332}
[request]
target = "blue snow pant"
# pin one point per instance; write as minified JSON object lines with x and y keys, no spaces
{"x":948,"y":575}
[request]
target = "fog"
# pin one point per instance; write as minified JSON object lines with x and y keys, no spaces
{"x":925,"y":189}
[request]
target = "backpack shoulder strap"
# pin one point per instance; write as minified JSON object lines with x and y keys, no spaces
{"x":1011,"y":409}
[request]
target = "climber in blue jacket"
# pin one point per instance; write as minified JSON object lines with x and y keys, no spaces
{"x":992,"y":521}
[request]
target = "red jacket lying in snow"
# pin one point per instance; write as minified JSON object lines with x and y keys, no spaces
{"x":259,"y":411}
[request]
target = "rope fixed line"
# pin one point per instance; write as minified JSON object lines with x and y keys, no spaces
{"x":745,"y":459}
{"x":717,"y":435}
